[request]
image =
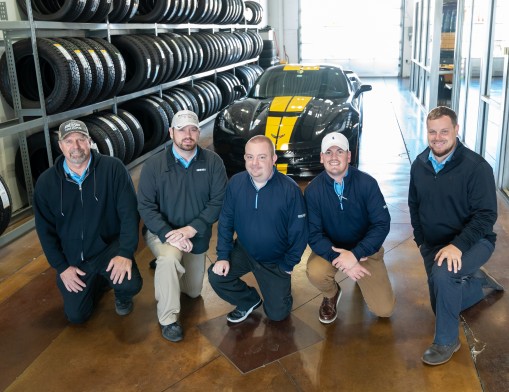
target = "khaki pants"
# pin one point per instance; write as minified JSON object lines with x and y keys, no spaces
{"x":376,"y":289}
{"x":176,"y":272}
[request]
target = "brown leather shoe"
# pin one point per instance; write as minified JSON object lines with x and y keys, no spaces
{"x":329,"y":308}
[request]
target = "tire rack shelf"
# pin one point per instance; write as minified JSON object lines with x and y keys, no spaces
{"x":32,"y":29}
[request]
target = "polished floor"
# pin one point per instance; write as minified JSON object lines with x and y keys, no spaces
{"x":40,"y":351}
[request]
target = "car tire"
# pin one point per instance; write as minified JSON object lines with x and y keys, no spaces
{"x":5,"y":205}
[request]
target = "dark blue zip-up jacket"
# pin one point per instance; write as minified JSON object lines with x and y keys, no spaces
{"x":76,"y":223}
{"x":360,"y":223}
{"x":456,"y":206}
{"x":270,"y":223}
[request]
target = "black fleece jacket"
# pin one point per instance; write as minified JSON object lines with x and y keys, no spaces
{"x":456,"y":206}
{"x":76,"y":223}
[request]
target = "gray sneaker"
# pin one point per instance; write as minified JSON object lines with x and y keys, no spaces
{"x":173,"y":332}
{"x":438,"y":354}
{"x":123,"y":307}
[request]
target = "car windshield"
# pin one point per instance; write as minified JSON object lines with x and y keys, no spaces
{"x":318,"y":82}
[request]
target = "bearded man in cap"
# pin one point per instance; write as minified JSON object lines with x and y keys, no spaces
{"x":180,"y":195}
{"x":87,"y":223}
{"x":348,"y":223}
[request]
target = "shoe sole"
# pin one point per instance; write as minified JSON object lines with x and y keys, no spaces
{"x":247,"y":314}
{"x":447,"y":360}
{"x":337,"y":302}
{"x":492,"y":280}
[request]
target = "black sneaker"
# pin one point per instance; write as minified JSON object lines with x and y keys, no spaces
{"x":237,"y":315}
{"x":173,"y":332}
{"x":489,"y":282}
{"x":123,"y":307}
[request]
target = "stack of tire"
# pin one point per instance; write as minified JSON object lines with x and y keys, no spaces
{"x":268,"y":56}
{"x":82,"y":71}
{"x":75,"y":72}
{"x":5,"y":205}
{"x":247,"y":75}
{"x":119,"y":135}
{"x":253,"y":13}
{"x":143,"y":11}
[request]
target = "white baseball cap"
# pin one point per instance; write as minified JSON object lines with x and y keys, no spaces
{"x":334,"y":139}
{"x":184,"y":118}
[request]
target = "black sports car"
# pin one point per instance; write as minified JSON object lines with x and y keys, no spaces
{"x":295,"y":106}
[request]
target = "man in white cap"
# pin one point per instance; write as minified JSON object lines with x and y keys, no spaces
{"x":87,"y":222}
{"x":180,"y":195}
{"x":348,"y":223}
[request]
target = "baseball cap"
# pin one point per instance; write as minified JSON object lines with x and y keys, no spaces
{"x":71,"y":126}
{"x":184,"y":118}
{"x":335,"y":139}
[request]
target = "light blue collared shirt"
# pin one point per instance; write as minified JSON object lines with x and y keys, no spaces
{"x":182,"y":160}
{"x":339,"y":188}
{"x":74,"y":176}
{"x":437,"y":166}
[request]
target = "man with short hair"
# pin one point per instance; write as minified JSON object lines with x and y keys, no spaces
{"x":453,"y":207}
{"x":348,"y":223}
{"x":87,"y":222}
{"x":266,"y":210}
{"x":180,"y":194}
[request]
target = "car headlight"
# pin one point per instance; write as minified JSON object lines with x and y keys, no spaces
{"x":343,"y":124}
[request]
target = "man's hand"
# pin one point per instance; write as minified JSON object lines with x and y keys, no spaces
{"x":119,"y":266}
{"x":71,"y":279}
{"x":347,"y":263}
{"x":221,"y":267}
{"x":452,"y":255}
{"x":185,"y":232}
{"x":184,"y":245}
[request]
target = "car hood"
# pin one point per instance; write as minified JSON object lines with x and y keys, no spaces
{"x":286,"y":120}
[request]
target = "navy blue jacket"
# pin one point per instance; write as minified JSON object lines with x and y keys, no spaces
{"x":456,"y":206}
{"x":360,"y":225}
{"x":270,"y":223}
{"x":76,"y":223}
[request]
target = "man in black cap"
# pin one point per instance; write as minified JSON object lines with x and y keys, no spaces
{"x":180,"y":195}
{"x":87,"y":222}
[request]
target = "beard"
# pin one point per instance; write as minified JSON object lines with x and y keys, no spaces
{"x":77,"y":156}
{"x":189,"y":146}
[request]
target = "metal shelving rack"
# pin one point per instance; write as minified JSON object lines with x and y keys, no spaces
{"x":23,"y":122}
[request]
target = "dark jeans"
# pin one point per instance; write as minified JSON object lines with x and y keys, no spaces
{"x":450,"y":292}
{"x":275,"y":285}
{"x":78,"y":307}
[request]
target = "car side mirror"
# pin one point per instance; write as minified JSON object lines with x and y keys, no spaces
{"x":362,"y":89}
{"x":240,"y":91}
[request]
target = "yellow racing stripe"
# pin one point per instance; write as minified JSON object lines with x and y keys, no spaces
{"x":279,"y":129}
{"x":282,"y":167}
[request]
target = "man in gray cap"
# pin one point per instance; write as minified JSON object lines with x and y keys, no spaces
{"x":87,"y":222}
{"x":348,"y":223}
{"x":180,"y":195}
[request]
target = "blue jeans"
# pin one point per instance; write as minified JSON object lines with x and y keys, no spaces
{"x":450,"y":293}
{"x":274,"y":284}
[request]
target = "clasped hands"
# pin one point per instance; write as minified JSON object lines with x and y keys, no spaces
{"x":347,"y":263}
{"x":181,"y":238}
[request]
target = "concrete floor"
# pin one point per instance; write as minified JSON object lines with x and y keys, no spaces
{"x":40,"y":351}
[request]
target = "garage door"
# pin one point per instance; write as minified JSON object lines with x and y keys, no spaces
{"x":362,"y":35}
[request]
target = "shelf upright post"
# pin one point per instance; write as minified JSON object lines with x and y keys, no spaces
{"x":18,"y":111}
{"x":40,"y":89}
